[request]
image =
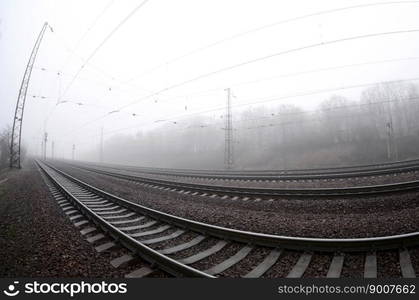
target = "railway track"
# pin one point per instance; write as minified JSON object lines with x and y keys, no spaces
{"x":257,"y":194}
{"x":279,"y":175}
{"x":188,"y":248}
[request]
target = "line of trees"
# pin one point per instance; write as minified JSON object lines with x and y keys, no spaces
{"x":382,"y":125}
{"x":5,"y":147}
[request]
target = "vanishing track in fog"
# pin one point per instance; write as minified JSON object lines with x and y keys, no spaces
{"x":183,"y":247}
{"x":258,"y":193}
{"x":377,"y":174}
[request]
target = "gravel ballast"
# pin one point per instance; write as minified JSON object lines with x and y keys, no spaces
{"x":281,"y":183}
{"x":333,"y":218}
{"x":40,"y":240}
{"x":37,"y":238}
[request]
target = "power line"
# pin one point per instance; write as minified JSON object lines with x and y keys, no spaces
{"x":226,"y":39}
{"x":320,"y":111}
{"x":320,"y":91}
{"x":302,"y":112}
{"x":81,"y":58}
{"x":229,"y":138}
{"x":86,"y":61}
{"x":231,"y":67}
{"x":246,"y":32}
{"x":282,"y":123}
{"x":272,"y":99}
{"x":80,"y":103}
{"x":293,"y":74}
{"x":237,"y":35}
{"x":259,"y":59}
{"x":221,"y":88}
{"x":257,"y":29}
{"x":96,"y":81}
{"x":323,"y":70}
{"x":267,"y":100}
{"x":93,"y":24}
{"x":99,"y":71}
{"x":276,"y":98}
{"x":103,"y":43}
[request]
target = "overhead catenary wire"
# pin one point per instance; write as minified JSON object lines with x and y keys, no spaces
{"x":276,"y":98}
{"x":220,"y":89}
{"x":103,"y":42}
{"x":79,"y":103}
{"x":87,"y":63}
{"x":255,"y":60}
{"x":330,"y":11}
{"x":113,"y":110}
{"x":266,"y":26}
{"x":293,"y":74}
{"x":89,"y":29}
{"x":237,"y":35}
{"x":302,"y":95}
{"x":106,"y":84}
{"x":262,"y":58}
{"x":268,"y":99}
{"x":249,"y":82}
{"x":232,"y":67}
{"x":93,"y":53}
{"x":279,"y":115}
{"x":98,"y":70}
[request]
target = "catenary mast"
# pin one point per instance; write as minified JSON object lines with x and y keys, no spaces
{"x":20,"y":104}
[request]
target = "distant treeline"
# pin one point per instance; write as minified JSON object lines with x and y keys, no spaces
{"x":382,"y":125}
{"x":5,"y":147}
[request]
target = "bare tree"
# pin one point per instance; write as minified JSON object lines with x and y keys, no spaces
{"x":5,"y":146}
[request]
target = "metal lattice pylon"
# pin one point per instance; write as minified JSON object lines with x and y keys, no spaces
{"x":20,"y":105}
{"x":228,"y":143}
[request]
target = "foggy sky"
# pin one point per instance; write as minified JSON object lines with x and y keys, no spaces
{"x":161,"y":31}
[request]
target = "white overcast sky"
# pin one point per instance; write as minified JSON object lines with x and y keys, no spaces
{"x":155,"y":49}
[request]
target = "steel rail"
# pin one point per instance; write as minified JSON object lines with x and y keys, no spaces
{"x":334,"y":170}
{"x":281,"y":177}
{"x":267,"y":192}
{"x":261,"y":239}
{"x":331,"y":173}
{"x":152,"y":256}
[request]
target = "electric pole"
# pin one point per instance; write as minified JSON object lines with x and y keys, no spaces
{"x":45,"y":145}
{"x":228,"y":143}
{"x":101,"y":145}
{"x":72,"y":152}
{"x":52,"y":150}
{"x":20,"y":104}
{"x":389,"y":134}
{"x":392,"y":149}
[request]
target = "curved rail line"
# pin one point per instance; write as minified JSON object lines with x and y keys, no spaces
{"x":298,"y":174}
{"x":258,"y":193}
{"x":112,"y":214}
